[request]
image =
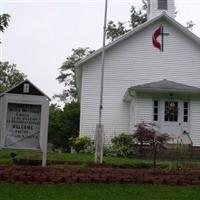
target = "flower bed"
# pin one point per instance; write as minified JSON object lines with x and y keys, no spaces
{"x":97,"y":174}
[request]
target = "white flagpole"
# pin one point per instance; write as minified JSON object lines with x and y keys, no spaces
{"x":99,"y":128}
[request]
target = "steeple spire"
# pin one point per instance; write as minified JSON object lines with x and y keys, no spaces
{"x":157,"y":7}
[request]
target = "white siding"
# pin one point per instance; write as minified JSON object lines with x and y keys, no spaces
{"x":195,"y":122}
{"x":144,"y":110}
{"x":135,"y":61}
{"x":90,"y":98}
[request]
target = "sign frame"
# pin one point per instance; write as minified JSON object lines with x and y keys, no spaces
{"x":42,"y":101}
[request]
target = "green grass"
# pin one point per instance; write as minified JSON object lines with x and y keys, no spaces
{"x":97,"y":192}
{"x":5,"y":158}
{"x":124,"y":162}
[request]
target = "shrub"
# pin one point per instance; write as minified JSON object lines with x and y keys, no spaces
{"x":122,"y":146}
{"x":147,"y":133}
{"x":80,"y":144}
{"x":107,"y":150}
{"x":122,"y":140}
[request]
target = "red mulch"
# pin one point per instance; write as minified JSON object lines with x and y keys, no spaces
{"x":96,"y":174}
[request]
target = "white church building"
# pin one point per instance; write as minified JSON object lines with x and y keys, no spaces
{"x":152,"y":75}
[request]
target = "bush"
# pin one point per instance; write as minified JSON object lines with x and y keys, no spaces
{"x":80,"y":144}
{"x":122,"y":146}
{"x":107,"y":150}
{"x":122,"y":140}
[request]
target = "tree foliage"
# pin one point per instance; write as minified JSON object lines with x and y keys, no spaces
{"x":9,"y":76}
{"x":67,"y":74}
{"x":63,"y":124}
{"x":146,"y":133}
{"x":138,"y":16}
{"x":4,"y":20}
{"x":113,"y":30}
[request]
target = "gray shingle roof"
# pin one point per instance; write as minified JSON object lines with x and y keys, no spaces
{"x":160,"y":87}
{"x":166,"y":85}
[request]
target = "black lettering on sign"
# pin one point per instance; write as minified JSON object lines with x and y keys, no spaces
{"x":23,"y":121}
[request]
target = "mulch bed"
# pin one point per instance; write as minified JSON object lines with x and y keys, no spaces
{"x":95,"y":174}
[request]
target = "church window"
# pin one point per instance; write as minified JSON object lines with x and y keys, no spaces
{"x":162,"y":4}
{"x":185,"y":111}
{"x":171,"y":111}
{"x":155,"y":110}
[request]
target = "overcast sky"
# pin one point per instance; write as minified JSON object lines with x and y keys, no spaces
{"x":41,"y":34}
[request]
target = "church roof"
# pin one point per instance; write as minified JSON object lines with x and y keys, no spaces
{"x":139,"y":28}
{"x":166,"y":85}
{"x":161,"y":86}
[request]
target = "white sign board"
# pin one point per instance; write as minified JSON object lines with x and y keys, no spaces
{"x":23,"y":126}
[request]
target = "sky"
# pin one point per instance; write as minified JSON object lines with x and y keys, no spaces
{"x":42,"y":33}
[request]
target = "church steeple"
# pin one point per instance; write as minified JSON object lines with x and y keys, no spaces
{"x":156,"y":7}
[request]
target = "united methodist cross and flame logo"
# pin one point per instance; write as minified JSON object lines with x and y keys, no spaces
{"x":159,"y":43}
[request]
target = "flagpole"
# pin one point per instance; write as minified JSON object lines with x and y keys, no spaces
{"x":99,"y":127}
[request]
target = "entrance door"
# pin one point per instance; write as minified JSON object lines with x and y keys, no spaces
{"x":171,"y":117}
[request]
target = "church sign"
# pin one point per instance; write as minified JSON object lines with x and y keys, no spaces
{"x":24,"y":113}
{"x":23,"y":125}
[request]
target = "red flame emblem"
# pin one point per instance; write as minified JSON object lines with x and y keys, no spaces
{"x":155,"y":36}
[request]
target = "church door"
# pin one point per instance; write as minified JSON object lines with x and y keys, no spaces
{"x":171,"y":117}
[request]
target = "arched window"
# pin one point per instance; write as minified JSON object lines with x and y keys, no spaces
{"x":162,"y":4}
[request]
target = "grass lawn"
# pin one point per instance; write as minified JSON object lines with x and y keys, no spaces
{"x":125,"y":162}
{"x":5,"y":158}
{"x":97,"y":192}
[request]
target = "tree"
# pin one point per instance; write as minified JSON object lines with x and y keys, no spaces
{"x":114,"y":30}
{"x":56,"y":128}
{"x":63,"y":124}
{"x":67,"y":74}
{"x":4,"y":20}
{"x":139,"y":16}
{"x":9,"y":76}
{"x":146,"y":134}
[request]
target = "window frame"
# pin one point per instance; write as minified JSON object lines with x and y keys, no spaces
{"x":188,"y":111}
{"x":156,"y":107}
